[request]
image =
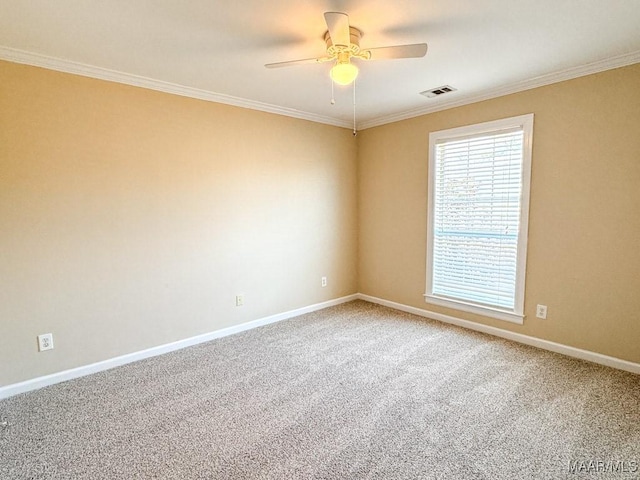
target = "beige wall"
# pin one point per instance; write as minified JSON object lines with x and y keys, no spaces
{"x":131,"y":218}
{"x":584,"y":232}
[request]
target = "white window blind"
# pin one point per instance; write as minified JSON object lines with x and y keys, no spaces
{"x":476,"y":213}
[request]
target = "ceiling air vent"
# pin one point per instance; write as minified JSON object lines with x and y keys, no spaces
{"x":436,"y":92}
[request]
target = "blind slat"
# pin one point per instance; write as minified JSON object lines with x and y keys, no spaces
{"x":477,"y":216}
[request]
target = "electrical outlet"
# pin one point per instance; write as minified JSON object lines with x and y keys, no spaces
{"x":541,"y":311}
{"x":45,"y":342}
{"x":323,"y":281}
{"x":239,"y":300}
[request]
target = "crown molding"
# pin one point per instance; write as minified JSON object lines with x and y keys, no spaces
{"x":555,"y":77}
{"x":77,"y":68}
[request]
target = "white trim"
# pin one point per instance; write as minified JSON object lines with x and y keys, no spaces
{"x":77,"y":68}
{"x":477,"y":309}
{"x":541,"y":81}
{"x":524,"y":122}
{"x":509,"y":335}
{"x":39,"y":382}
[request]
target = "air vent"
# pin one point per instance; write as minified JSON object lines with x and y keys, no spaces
{"x":436,"y":92}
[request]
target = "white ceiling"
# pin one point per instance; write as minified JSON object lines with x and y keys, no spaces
{"x":217,"y":50}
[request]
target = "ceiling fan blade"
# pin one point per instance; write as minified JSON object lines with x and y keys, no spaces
{"x":338,"y":26}
{"x":415,"y":50}
{"x":305,"y":61}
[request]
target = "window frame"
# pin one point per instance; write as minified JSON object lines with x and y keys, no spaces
{"x":525,"y":122}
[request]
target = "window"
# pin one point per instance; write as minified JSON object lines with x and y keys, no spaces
{"x":478,"y":216}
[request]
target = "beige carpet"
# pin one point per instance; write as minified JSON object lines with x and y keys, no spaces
{"x":353,"y":391}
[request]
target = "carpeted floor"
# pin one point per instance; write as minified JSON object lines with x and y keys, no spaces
{"x":353,"y":391}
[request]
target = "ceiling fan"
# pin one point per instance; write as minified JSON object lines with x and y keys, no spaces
{"x":343,"y":44}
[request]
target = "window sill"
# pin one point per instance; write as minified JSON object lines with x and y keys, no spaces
{"x":505,"y":315}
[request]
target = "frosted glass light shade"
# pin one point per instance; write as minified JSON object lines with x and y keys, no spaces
{"x":344,"y":73}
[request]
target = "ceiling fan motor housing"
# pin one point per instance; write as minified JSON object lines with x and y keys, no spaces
{"x":353,"y":49}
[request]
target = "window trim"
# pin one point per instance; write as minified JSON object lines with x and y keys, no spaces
{"x":515,"y":315}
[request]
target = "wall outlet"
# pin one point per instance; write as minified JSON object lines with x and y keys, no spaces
{"x":323,"y":281}
{"x":541,"y":311}
{"x":45,"y":342}
{"x":239,"y":300}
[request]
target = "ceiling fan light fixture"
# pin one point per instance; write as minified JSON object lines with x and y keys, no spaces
{"x":344,"y":73}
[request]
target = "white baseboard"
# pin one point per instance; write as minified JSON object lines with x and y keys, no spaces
{"x":39,"y":382}
{"x":516,"y":337}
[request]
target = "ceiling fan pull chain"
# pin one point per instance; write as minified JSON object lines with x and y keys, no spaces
{"x":355,"y":132}
{"x":333,"y":100}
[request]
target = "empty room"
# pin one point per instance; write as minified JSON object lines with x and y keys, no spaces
{"x":320,"y":240}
